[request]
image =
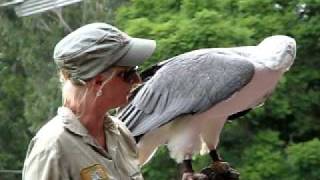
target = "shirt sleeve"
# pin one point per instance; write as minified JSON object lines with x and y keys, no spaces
{"x":42,"y":163}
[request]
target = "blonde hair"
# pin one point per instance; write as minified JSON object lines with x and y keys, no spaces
{"x":75,"y":94}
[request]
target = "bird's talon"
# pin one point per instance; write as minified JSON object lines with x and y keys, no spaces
{"x":220,"y":167}
{"x":221,"y":171}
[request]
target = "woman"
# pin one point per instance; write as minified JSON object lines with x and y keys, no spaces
{"x":97,"y":69}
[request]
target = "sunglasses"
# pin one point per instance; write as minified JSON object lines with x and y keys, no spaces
{"x":129,"y":74}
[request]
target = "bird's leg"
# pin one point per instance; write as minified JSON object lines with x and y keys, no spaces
{"x":218,"y":165}
{"x":188,"y":172}
{"x":187,"y":166}
{"x":220,"y":169}
{"x":215,"y":156}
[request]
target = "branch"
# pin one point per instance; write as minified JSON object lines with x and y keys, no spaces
{"x":58,"y":12}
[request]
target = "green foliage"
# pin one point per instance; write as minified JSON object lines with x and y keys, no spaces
{"x":264,"y":159}
{"x":304,"y":160}
{"x":13,"y":131}
{"x":161,"y":168}
{"x":256,"y":144}
{"x":291,"y":112}
{"x":29,"y":93}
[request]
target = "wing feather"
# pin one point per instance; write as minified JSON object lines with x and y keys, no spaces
{"x":188,"y":83}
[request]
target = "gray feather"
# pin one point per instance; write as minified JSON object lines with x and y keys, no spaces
{"x":188,"y":83}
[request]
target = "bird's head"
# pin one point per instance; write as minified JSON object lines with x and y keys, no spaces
{"x":278,"y":52}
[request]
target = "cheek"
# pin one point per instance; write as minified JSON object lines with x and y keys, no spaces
{"x":118,"y":92}
{"x":123,"y":89}
{"x":121,"y":93}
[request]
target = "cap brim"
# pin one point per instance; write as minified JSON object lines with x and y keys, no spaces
{"x":139,"y":51}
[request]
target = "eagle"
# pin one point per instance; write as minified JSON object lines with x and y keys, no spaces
{"x":185,"y":101}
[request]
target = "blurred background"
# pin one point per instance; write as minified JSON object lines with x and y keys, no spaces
{"x":279,"y":140}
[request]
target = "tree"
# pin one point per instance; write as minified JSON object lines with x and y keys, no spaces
{"x":29,"y":93}
{"x":304,"y":160}
{"x":184,"y":25}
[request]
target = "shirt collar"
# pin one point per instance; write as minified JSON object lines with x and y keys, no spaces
{"x":72,"y":123}
{"x":110,"y":125}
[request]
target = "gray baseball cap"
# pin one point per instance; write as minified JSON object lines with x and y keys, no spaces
{"x":95,"y":47}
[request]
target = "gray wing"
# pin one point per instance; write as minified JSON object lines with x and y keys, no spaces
{"x":189,"y":83}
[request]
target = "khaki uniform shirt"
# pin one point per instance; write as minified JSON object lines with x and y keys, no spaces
{"x":63,"y":149}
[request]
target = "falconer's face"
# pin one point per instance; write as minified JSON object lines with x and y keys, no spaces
{"x":117,"y":90}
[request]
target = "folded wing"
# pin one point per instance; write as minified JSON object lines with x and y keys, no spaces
{"x":186,"y":84}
